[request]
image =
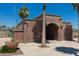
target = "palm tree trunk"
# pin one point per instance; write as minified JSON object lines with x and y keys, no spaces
{"x":43,"y":42}
{"x":78,"y":26}
{"x":23,"y":30}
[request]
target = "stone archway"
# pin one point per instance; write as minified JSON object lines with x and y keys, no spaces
{"x":51,"y":31}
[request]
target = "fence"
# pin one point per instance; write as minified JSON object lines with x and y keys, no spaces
{"x":4,"y":34}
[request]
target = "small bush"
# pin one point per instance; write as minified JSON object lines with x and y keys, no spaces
{"x":5,"y":49}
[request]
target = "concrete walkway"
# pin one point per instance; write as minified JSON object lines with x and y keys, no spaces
{"x":3,"y":40}
{"x":57,"y":48}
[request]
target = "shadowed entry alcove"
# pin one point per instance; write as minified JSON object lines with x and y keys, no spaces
{"x":51,"y":31}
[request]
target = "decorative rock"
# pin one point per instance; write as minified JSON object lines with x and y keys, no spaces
{"x":12,"y":44}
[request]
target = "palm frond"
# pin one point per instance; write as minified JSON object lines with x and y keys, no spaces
{"x":75,"y":5}
{"x":23,"y":12}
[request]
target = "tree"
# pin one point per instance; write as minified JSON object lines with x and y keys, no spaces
{"x":23,"y":13}
{"x":76,"y":6}
{"x":43,"y":41}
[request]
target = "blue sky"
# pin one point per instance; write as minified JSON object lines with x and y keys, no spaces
{"x":9,"y":12}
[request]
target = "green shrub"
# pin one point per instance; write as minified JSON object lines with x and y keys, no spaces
{"x":5,"y":49}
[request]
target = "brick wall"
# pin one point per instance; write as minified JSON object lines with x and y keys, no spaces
{"x":33,"y":29}
{"x":68,"y":32}
{"x":18,"y":35}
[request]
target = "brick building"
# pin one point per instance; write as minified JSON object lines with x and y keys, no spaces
{"x":55,"y":29}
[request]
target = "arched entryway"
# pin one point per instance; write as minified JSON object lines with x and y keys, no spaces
{"x":51,"y":31}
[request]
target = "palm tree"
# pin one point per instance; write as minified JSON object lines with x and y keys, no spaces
{"x":43,"y":41}
{"x":76,"y":6}
{"x":23,"y":13}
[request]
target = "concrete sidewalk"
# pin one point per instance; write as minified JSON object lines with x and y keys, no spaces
{"x":3,"y":40}
{"x":33,"y":49}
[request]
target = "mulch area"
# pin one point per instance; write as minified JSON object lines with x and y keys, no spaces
{"x":18,"y":52}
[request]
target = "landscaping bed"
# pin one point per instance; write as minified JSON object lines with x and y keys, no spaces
{"x":18,"y":52}
{"x":10,"y":52}
{"x":10,"y":48}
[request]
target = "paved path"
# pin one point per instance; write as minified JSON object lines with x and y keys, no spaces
{"x":3,"y":40}
{"x":57,"y":48}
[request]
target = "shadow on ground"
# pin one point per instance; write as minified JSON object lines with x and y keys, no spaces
{"x":40,"y":41}
{"x":68,"y":50}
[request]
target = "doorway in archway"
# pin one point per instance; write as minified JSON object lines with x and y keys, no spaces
{"x":51,"y":31}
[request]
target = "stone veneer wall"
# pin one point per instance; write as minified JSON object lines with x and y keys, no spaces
{"x":18,"y":35}
{"x":33,"y":29}
{"x":68,"y":32}
{"x":29,"y":31}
